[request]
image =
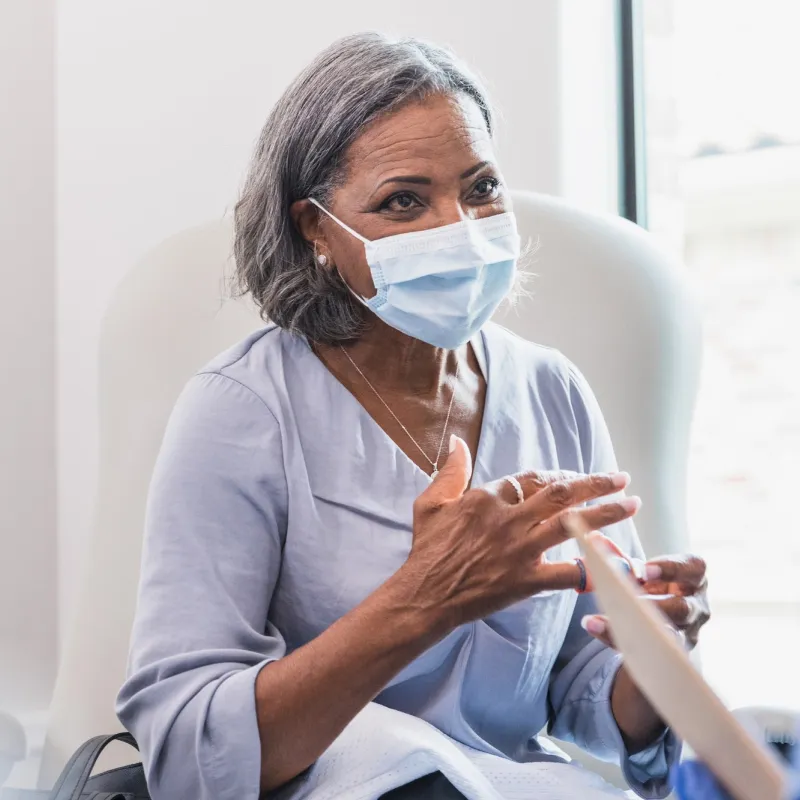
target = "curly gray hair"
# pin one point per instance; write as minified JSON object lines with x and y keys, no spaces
{"x":300,"y":154}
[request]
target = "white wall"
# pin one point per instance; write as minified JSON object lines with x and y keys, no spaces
{"x":27,"y":328}
{"x":588,"y":137}
{"x":160,"y":102}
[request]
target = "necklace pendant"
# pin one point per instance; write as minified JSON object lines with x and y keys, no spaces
{"x":434,"y":464}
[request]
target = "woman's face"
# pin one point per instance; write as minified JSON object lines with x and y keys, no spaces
{"x":431,"y":163}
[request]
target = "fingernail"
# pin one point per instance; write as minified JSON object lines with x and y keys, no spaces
{"x":630,"y":504}
{"x":452,"y":445}
{"x":593,"y":625}
{"x":637,"y":566}
{"x":619,"y":480}
{"x":652,"y":572}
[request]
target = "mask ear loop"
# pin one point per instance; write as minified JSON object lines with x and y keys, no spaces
{"x":338,"y":221}
{"x":355,"y":294}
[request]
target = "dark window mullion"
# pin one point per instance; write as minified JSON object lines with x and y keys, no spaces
{"x":632,"y":190}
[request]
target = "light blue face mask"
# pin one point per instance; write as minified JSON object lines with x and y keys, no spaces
{"x":441,"y":285}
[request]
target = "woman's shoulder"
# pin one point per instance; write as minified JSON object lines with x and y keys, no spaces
{"x":247,"y":374}
{"x":556,"y":386}
{"x":536,"y":363}
{"x":261,"y":346}
{"x":545,"y":373}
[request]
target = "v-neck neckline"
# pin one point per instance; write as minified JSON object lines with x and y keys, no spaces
{"x":480,"y":348}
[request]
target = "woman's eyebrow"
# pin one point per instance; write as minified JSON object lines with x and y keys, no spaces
{"x":406,"y":179}
{"x":472,"y":170}
{"x":421,"y":179}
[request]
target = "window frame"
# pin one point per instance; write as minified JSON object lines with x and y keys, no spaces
{"x":630,"y":79}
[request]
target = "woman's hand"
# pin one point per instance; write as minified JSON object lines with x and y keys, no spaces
{"x":477,"y":551}
{"x":677,"y":585}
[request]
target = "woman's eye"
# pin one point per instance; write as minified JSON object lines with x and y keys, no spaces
{"x":486,"y":188}
{"x":403,"y":201}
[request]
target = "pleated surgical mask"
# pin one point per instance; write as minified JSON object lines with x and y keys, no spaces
{"x":442,"y":284}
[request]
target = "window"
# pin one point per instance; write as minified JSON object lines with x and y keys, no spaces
{"x":720,"y":153}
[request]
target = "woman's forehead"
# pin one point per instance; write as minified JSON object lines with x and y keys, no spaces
{"x":439,"y":134}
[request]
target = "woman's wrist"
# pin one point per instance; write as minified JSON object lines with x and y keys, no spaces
{"x":310,"y":695}
{"x":637,"y":720}
{"x":416,"y":611}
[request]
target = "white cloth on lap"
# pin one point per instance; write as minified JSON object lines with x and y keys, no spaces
{"x":382,"y":749}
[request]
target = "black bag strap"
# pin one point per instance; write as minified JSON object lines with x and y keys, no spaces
{"x":72,"y":781}
{"x":109,"y":796}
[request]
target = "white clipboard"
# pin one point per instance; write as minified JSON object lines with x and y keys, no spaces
{"x":747,"y":768}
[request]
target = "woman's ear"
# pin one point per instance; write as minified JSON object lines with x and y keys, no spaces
{"x":306,"y":218}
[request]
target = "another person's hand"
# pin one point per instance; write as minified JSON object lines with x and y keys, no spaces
{"x":476,"y":551}
{"x":677,"y":585}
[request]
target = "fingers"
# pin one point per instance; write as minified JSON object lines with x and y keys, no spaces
{"x":557,"y":576}
{"x":505,"y":490}
{"x":454,"y":476}
{"x":530,"y":483}
{"x":597,"y":625}
{"x":683,"y":612}
{"x":688,"y":572}
{"x":673,"y":607}
{"x":618,"y":558}
{"x":568,"y":488}
{"x":559,"y":495}
{"x":686,"y":614}
{"x":534,"y":481}
{"x":553,"y":531}
{"x":698,"y":613}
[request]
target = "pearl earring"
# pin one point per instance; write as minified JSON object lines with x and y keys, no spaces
{"x":322,"y":260}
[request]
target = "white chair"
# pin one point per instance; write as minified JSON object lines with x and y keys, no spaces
{"x":13,"y":745}
{"x":605,"y":296}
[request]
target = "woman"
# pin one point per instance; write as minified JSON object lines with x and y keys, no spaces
{"x":313,"y":543}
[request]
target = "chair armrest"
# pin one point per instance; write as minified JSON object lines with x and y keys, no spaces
{"x":13,"y":746}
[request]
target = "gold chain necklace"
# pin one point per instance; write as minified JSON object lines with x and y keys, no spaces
{"x":434,"y":464}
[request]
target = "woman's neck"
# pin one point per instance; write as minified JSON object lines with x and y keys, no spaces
{"x":398,"y":364}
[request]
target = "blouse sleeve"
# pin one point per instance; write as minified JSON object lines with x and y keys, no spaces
{"x":212,"y":553}
{"x":585,"y":671}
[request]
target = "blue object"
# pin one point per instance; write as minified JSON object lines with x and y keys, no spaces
{"x":693,"y":781}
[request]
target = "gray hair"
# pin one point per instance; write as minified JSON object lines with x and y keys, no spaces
{"x":301,"y":153}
